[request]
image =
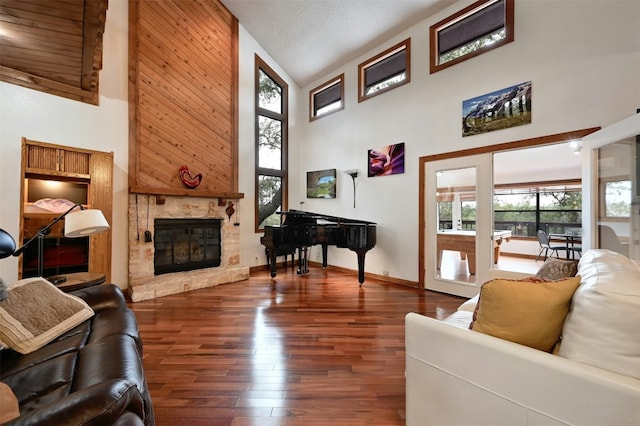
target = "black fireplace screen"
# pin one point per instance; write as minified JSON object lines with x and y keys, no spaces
{"x":186,"y":244}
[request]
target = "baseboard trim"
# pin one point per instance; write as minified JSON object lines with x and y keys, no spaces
{"x":384,"y":278}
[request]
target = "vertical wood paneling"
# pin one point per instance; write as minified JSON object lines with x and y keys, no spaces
{"x":42,"y":157}
{"x":101,"y":198}
{"x":74,"y":162}
{"x":183,"y":93}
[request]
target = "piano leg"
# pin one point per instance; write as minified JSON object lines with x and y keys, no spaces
{"x":272,"y":262}
{"x":324,"y":255}
{"x":303,"y":265}
{"x":361,"y":254}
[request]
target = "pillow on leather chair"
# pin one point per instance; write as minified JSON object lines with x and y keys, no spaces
{"x":37,"y":312}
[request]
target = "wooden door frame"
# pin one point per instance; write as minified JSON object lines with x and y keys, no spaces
{"x":506,"y":146}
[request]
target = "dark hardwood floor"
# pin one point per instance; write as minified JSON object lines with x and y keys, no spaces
{"x":300,"y":350}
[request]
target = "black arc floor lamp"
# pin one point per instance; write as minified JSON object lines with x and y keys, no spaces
{"x":354,"y":174}
{"x":79,"y":222}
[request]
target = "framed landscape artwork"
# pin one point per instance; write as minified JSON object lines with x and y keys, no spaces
{"x":497,"y":110}
{"x":321,"y":184}
{"x":388,"y":160}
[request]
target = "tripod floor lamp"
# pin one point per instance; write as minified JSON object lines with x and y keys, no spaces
{"x":79,"y":222}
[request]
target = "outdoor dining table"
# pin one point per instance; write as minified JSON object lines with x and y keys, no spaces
{"x":570,"y":240}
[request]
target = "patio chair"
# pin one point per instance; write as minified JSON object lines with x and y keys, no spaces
{"x":546,"y":246}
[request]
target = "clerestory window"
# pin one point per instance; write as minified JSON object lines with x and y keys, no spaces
{"x":483,"y":26}
{"x":271,"y":145}
{"x":385,"y":71}
{"x":326,"y":98}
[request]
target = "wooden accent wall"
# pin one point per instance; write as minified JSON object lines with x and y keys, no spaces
{"x":183,"y":89}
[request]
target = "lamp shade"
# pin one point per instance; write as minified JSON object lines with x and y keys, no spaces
{"x":82,"y":223}
{"x":7,"y":244}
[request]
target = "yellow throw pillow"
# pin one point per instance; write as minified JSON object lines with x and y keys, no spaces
{"x":525,"y":312}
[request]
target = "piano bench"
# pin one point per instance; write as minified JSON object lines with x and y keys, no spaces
{"x":284,"y":251}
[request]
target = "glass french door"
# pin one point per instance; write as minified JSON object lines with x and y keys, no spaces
{"x":458,"y":224}
{"x":612,"y":172}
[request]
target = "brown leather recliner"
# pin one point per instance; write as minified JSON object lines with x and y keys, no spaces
{"x":92,"y":374}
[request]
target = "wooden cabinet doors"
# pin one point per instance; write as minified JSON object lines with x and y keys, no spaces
{"x":58,"y":174}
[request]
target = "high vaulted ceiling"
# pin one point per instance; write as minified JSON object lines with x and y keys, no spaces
{"x":309,"y":38}
{"x":56,"y":45}
{"x":53,"y":45}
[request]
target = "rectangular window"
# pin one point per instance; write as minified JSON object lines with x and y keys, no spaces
{"x":326,"y":98}
{"x":386,"y":71}
{"x":617,"y":198}
{"x":476,"y":29}
{"x":524,"y":210}
{"x":271,"y":145}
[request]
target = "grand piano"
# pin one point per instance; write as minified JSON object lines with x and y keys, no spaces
{"x":300,"y":230}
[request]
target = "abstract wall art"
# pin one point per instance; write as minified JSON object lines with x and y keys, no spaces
{"x":388,"y":160}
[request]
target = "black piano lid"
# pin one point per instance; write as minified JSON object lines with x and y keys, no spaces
{"x":316,"y":216}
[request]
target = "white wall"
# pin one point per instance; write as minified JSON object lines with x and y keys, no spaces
{"x":47,"y":118}
{"x":583,"y":58}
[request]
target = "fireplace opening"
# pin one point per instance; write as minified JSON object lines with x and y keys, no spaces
{"x":186,"y":244}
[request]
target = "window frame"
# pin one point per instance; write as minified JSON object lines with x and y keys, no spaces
{"x":313,"y":115}
{"x":538,"y":191}
{"x":362,"y":68}
{"x":603,"y":182}
{"x":477,"y":7}
{"x":283,"y":117}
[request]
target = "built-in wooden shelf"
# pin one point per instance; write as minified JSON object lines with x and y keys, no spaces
{"x":160,"y":193}
{"x":72,"y":168}
{"x":56,"y":175}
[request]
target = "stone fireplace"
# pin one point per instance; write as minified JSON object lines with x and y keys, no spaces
{"x":215,"y":262}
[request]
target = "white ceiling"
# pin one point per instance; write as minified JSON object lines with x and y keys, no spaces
{"x":310,"y":38}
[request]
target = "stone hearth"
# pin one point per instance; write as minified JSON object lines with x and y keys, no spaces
{"x":143,"y":284}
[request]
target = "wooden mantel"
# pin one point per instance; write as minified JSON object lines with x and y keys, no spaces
{"x":161,"y":193}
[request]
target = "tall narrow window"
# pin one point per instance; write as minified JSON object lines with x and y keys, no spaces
{"x":386,"y":71}
{"x":326,"y":98}
{"x":476,"y":29}
{"x":271,"y":145}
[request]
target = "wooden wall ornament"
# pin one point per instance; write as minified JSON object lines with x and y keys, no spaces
{"x":188,"y":179}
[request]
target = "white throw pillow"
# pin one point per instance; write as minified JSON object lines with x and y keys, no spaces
{"x":602,"y":327}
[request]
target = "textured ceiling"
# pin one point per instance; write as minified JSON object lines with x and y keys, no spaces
{"x":309,"y":38}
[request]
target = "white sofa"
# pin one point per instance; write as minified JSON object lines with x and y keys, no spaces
{"x":456,"y":376}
